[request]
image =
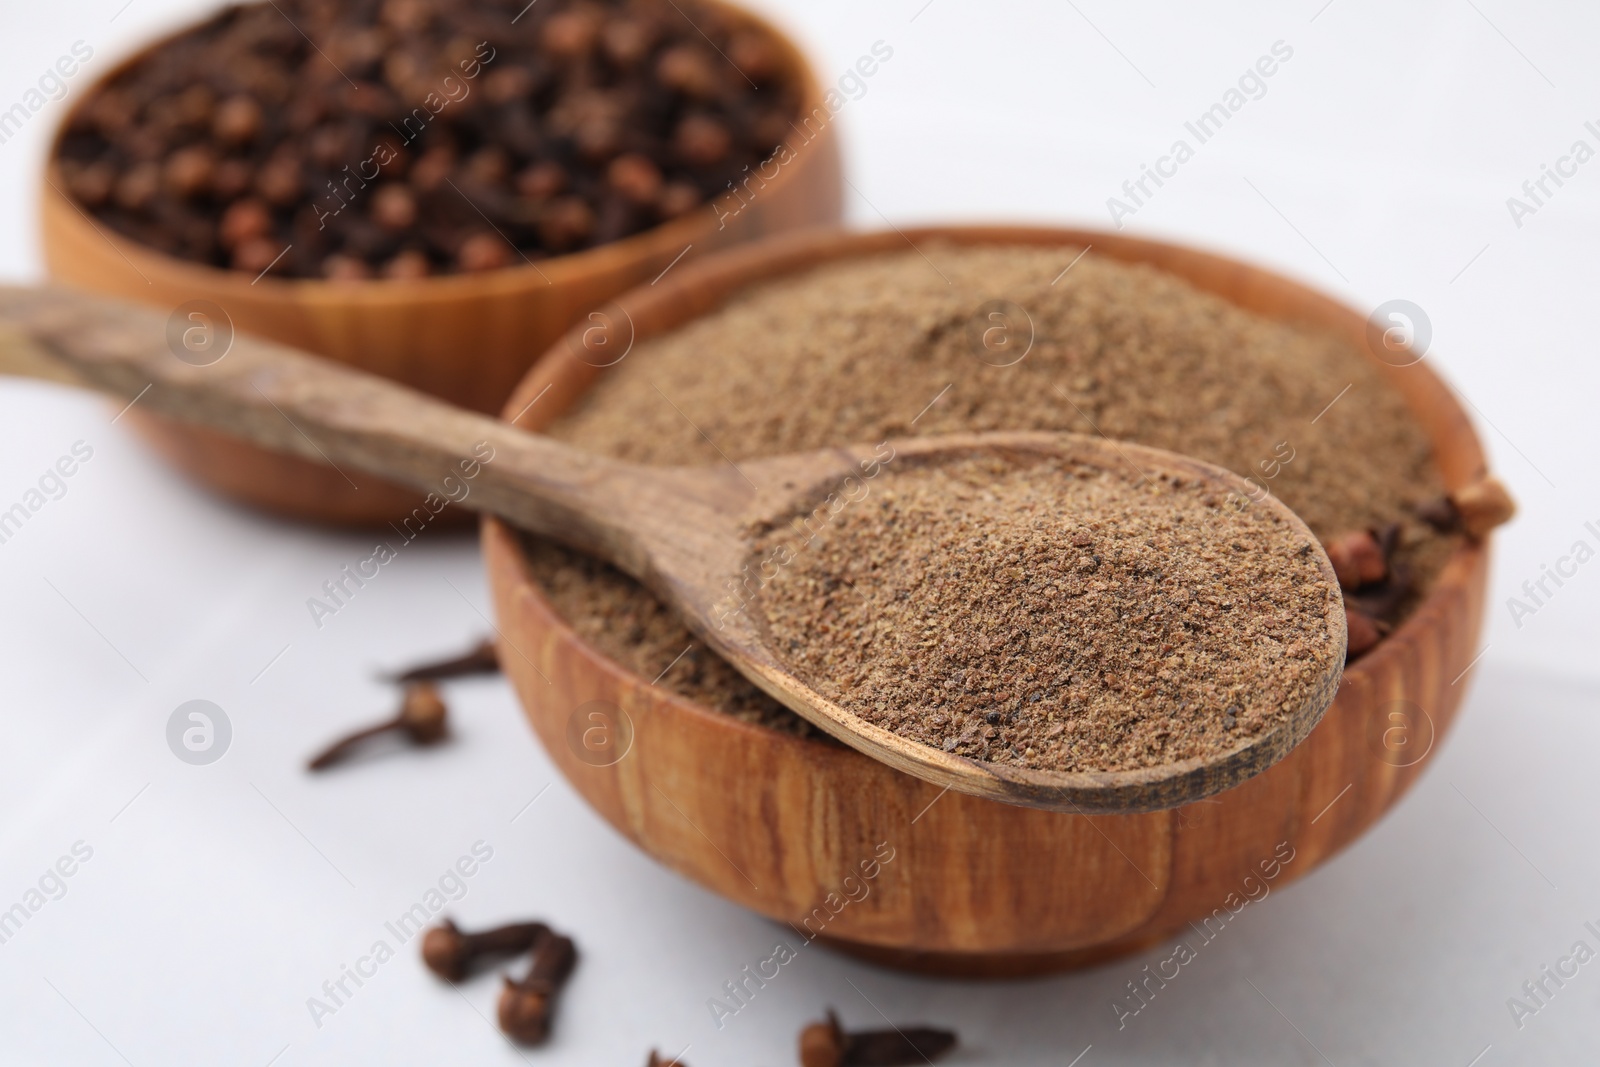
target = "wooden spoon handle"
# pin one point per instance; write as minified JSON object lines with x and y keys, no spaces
{"x":285,"y":400}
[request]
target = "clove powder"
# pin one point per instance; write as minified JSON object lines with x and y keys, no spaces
{"x":1057,"y":614}
{"x":862,"y":350}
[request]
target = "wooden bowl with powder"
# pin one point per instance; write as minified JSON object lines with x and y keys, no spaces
{"x":1131,"y":340}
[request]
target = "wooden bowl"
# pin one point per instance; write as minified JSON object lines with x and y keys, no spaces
{"x":465,"y":338}
{"x":976,"y":887}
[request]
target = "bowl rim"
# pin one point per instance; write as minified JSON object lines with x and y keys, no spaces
{"x":719,"y":276}
{"x":386,"y":292}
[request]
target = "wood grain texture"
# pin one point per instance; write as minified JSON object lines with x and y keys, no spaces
{"x":689,"y":534}
{"x":977,"y":887}
{"x":464,"y":338}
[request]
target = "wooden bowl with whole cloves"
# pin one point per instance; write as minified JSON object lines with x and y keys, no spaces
{"x":464,"y":337}
{"x":962,"y":885}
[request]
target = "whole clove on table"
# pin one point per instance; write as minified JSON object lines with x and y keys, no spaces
{"x":452,"y":953}
{"x":827,"y":1044}
{"x":423,"y":719}
{"x":527,"y":1004}
{"x":479,"y":659}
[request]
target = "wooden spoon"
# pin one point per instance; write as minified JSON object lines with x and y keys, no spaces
{"x":686,"y":533}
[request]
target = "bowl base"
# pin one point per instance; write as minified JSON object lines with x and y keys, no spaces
{"x":986,"y":965}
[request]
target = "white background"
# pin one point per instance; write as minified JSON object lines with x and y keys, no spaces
{"x":218,"y":899}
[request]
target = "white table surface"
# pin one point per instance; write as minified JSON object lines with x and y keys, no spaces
{"x":219,"y":898}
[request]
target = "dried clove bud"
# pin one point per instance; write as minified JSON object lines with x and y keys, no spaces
{"x":827,"y":1044}
{"x":423,"y":719}
{"x":407,"y":265}
{"x":394,"y":207}
{"x":525,"y":1005}
{"x":451,"y":954}
{"x":690,"y":70}
{"x":755,"y":55}
{"x":342,"y":268}
{"x":244,"y":220}
{"x":92,"y":184}
{"x":1382,"y":601}
{"x":281,"y":179}
{"x":479,"y":659}
{"x":137,"y":187}
{"x":432,"y":168}
{"x":635,"y":177}
{"x":658,"y":1060}
{"x":256,"y":254}
{"x":542,"y":180}
{"x":627,"y":41}
{"x":237,"y":120}
{"x":566,"y":222}
{"x":507,"y":84}
{"x":1440,"y":513}
{"x":189,"y":171}
{"x":1483,"y":505}
{"x":489,"y":166}
{"x":483,"y":251}
{"x":232,"y":179}
{"x":701,"y":140}
{"x":571,"y":34}
{"x":1362,"y":632}
{"x":1357,"y":559}
{"x":677,"y":198}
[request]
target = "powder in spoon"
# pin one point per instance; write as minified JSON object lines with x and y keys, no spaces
{"x":1055,"y":613}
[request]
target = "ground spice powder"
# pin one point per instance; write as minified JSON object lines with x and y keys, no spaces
{"x":883,"y":346}
{"x":1057,"y":614}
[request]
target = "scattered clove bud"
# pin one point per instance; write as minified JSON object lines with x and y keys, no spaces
{"x":451,"y":954}
{"x":658,"y":1060}
{"x":1358,"y":559}
{"x":1483,"y":505}
{"x":826,"y":1044}
{"x":479,"y":659}
{"x":423,"y":719}
{"x":525,"y":1005}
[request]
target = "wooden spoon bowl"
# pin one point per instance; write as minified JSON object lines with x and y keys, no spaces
{"x":846,"y":849}
{"x":466,"y":339}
